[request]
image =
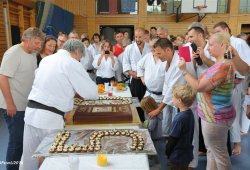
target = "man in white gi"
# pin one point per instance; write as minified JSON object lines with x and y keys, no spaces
{"x":57,"y":79}
{"x":164,"y":50}
{"x":87,"y":60}
{"x":16,"y":78}
{"x":239,"y":91}
{"x":132,"y":54}
{"x":151,"y":70}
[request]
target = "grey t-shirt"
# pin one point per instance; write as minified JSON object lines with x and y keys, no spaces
{"x":20,"y":67}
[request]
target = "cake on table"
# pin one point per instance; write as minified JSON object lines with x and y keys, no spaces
{"x":104,"y":110}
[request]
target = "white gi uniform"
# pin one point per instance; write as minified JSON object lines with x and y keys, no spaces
{"x":173,"y":76}
{"x":118,"y":73}
{"x":105,"y":69}
{"x":94,"y":50}
{"x":245,"y":121}
{"x":57,"y":79}
{"x":239,"y":91}
{"x":87,"y":61}
{"x":154,"y":73}
{"x":132,"y":55}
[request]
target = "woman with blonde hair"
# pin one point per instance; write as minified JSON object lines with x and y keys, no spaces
{"x":214,"y":104}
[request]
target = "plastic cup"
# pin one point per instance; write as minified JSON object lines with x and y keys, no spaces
{"x":106,"y":85}
{"x":73,"y":162}
{"x":102,"y":158}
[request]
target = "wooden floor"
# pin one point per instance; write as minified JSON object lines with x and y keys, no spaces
{"x":241,"y":162}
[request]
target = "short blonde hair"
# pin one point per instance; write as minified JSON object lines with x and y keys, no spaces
{"x":184,"y":92}
{"x":222,"y":37}
{"x":148,"y":104}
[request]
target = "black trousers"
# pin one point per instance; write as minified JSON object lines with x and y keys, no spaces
{"x":174,"y":166}
{"x":138,"y":89}
{"x":100,"y":80}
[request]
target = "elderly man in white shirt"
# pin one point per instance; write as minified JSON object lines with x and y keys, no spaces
{"x":132,"y":54}
{"x":240,"y":90}
{"x":59,"y":77}
{"x":106,"y":64}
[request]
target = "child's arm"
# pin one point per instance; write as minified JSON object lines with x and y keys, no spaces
{"x":152,"y":124}
{"x":172,"y":141}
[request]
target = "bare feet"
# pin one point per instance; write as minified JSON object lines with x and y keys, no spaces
{"x":236,"y":149}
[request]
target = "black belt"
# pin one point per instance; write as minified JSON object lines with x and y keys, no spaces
{"x":36,"y":105}
{"x":154,"y":92}
{"x":90,"y":71}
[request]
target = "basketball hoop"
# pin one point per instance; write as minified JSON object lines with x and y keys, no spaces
{"x":200,"y":7}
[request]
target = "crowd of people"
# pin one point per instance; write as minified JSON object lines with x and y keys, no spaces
{"x":193,"y":106}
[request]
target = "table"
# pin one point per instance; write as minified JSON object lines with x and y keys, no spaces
{"x":88,"y":162}
{"x":115,"y":161}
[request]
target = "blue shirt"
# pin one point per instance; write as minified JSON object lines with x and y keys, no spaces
{"x":182,"y":129}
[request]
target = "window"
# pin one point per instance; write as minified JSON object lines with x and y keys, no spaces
{"x":244,"y":6}
{"x":222,"y":6}
{"x":162,"y":6}
{"x":111,"y":7}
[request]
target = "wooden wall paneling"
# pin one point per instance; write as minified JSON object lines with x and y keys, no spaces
{"x":13,"y":13}
{"x":26,"y":14}
{"x":32,"y":17}
{"x":80,"y":24}
{"x":3,"y":44}
{"x":21,"y":18}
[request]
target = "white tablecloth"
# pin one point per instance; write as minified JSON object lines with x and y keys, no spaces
{"x":88,"y":162}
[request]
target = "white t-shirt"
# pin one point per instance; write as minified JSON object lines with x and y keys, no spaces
{"x":20,"y":67}
{"x":57,"y":79}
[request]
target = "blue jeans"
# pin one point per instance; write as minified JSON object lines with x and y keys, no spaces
{"x":15,"y":146}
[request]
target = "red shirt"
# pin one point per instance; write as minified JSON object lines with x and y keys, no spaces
{"x":118,"y":50}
